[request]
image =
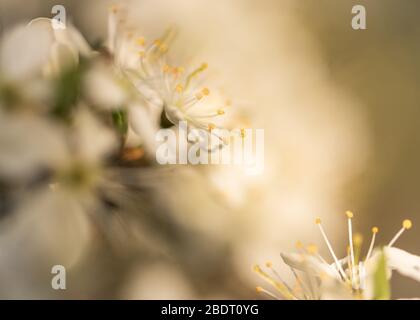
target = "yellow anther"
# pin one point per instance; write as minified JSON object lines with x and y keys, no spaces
{"x":157,"y":42}
{"x":243,"y":133}
{"x":205,"y":91}
{"x":163,"y":48}
{"x":257,"y":268}
{"x":211,"y":126}
{"x":312,"y":249}
{"x":259,"y":289}
{"x":349,"y":214}
{"x":220,"y":112}
{"x":166,"y":68}
{"x":195,"y":73}
{"x":299,"y":245}
{"x":268,"y":264}
{"x":357,"y":239}
{"x":141,"y":41}
{"x":318,"y":220}
{"x":199,"y":95}
{"x":407,"y":224}
{"x":375,"y":230}
{"x":179,"y":70}
{"x":179,"y":88}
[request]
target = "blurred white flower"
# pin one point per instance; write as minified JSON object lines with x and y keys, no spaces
{"x":157,"y":281}
{"x":92,"y":141}
{"x":65,"y":47}
{"x":30,"y":54}
{"x":23,"y":52}
{"x":103,"y":88}
{"x":63,"y":168}
{"x":346,"y":278}
{"x":24,"y":140}
{"x":50,"y":227}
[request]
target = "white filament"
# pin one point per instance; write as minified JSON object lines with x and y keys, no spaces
{"x":352,"y":266}
{"x":337,"y":263}
{"x":372,"y":243}
{"x":399,"y":233}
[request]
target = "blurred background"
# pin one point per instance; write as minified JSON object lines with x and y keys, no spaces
{"x":340,"y":110}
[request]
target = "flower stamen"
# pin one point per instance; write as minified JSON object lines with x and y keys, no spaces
{"x":349,"y":215}
{"x":268,"y":293}
{"x":357,"y":240}
{"x":337,"y":263}
{"x":375,"y":230}
{"x":195,"y":73}
{"x":141,"y":41}
{"x":269,"y":265}
{"x":407,"y":224}
{"x":179,"y":88}
{"x":280,"y":286}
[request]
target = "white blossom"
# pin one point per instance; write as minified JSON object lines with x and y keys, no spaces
{"x":348,"y":278}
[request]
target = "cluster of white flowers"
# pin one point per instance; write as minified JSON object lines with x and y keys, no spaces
{"x":69,"y":112}
{"x":158,"y":86}
{"x":348,"y":278}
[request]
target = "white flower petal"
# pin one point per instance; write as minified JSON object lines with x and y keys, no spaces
{"x":28,"y":143}
{"x":61,"y":58}
{"x":78,"y":41}
{"x":68,"y":36}
{"x":405,"y":263}
{"x":333,"y":289}
{"x":102,"y":87}
{"x":145,"y":124}
{"x":66,"y":46}
{"x":93,"y":139}
{"x":49,"y":225}
{"x":132,"y":139}
{"x":24,"y":51}
{"x":309,"y":264}
{"x":146,"y":91}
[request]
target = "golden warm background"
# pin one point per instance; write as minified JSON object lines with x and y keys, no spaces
{"x":340,"y":110}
